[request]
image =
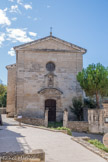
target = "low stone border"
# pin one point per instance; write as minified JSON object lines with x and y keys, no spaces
{"x":41,"y":127}
{"x":78,"y":126}
{"x":83,"y":142}
{"x":35,"y":155}
{"x":44,"y":128}
{"x":37,"y":126}
{"x":31,"y":121}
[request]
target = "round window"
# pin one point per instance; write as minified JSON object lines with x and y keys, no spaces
{"x":50,"y":66}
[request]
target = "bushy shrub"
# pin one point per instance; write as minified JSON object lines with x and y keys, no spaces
{"x":89,"y":103}
{"x":77,"y":108}
{"x":64,"y":128}
{"x":98,"y":144}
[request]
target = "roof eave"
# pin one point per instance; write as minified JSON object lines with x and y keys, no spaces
{"x":38,"y":40}
{"x":22,"y":45}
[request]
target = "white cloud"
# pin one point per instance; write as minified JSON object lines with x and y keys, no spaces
{"x":5,"y":9}
{"x":14,"y":9}
{"x":11,"y":52}
{"x":4,"y":20}
{"x":32,"y":34}
{"x":14,"y":19}
{"x":27,"y":6}
{"x":2,"y":38}
{"x":19,"y":2}
{"x":18,"y":35}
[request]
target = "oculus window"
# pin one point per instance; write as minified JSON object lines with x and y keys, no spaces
{"x":50,"y":66}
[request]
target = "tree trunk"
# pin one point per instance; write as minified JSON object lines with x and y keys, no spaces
{"x":97,"y":100}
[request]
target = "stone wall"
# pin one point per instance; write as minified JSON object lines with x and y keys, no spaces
{"x":98,"y":119}
{"x":105,"y":106}
{"x":2,"y":110}
{"x":34,"y":156}
{"x":11,"y":90}
{"x":32,"y":121}
{"x":79,"y":126}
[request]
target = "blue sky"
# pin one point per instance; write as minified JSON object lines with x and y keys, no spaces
{"x":81,"y":22}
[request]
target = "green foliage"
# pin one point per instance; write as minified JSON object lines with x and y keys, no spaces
{"x":98,"y":144}
{"x":64,"y":128}
{"x":55,"y":124}
{"x":89,"y":103}
{"x":3,"y":95}
{"x":2,"y":89}
{"x":77,"y":108}
{"x":94,"y":81}
{"x":3,"y":100}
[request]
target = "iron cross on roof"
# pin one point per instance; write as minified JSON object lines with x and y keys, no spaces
{"x":50,"y":31}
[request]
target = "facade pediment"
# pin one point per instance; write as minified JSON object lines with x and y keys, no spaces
{"x":51,"y":44}
{"x":50,"y":90}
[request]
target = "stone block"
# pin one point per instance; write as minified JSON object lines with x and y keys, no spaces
{"x":34,"y":156}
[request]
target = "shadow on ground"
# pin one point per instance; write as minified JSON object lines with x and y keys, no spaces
{"x":10,"y":140}
{"x":92,"y":136}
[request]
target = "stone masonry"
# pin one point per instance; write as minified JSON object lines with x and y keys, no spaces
{"x":34,"y":156}
{"x":30,"y":83}
{"x":11,"y":90}
{"x":98,"y":119}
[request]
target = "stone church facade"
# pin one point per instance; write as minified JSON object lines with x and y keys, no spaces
{"x":44,"y":77}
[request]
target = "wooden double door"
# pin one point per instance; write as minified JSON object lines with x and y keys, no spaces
{"x":50,"y":104}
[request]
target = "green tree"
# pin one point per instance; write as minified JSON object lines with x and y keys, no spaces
{"x":89,"y":103}
{"x":94,"y":81}
{"x":2,"y":89}
{"x":4,"y":99}
{"x":77,"y":108}
{"x":3,"y":95}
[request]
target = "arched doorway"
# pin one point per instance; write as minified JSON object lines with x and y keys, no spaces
{"x":50,"y":104}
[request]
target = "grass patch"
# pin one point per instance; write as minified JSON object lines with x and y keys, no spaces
{"x":55,"y":124}
{"x":59,"y":126}
{"x":64,"y":128}
{"x":98,"y":144}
